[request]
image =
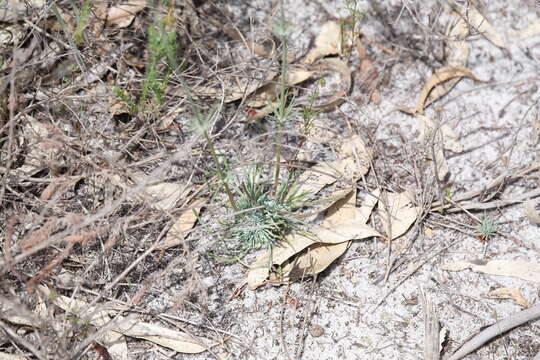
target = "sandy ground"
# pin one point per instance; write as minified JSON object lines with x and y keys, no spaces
{"x":349,"y":311}
{"x":338,"y":313}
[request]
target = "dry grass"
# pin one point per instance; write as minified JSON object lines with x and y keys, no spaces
{"x":93,"y":116}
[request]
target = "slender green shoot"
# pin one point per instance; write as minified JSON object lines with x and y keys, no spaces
{"x":201,"y":123}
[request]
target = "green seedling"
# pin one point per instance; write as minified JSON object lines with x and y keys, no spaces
{"x":163,"y":60}
{"x":487,"y":228}
{"x":201,"y":123}
{"x":81,"y":22}
{"x":263,"y":218}
{"x":350,"y":23}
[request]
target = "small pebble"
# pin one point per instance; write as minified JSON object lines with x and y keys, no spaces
{"x":316,"y":330}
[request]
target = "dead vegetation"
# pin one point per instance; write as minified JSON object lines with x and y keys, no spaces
{"x":144,"y":142}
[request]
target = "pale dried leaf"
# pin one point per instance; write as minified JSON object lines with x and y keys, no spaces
{"x":440,"y":76}
{"x":397,"y":212}
{"x":509,"y":293}
{"x":260,"y":269}
{"x":342,"y":210}
{"x":163,"y":196}
{"x":317,"y":177}
{"x":267,"y":93}
{"x":6,"y":356}
{"x":123,"y":14}
{"x":530,"y":210}
{"x":186,"y":220}
{"x":364,"y":211}
{"x":355,"y":162}
{"x":315,"y":260}
{"x":172,"y":339}
{"x":519,"y":269}
{"x":328,"y":42}
{"x":530,"y":31}
{"x":129,"y":326}
{"x":458,"y":47}
{"x":477,"y":21}
{"x":350,"y":230}
{"x":341,"y":67}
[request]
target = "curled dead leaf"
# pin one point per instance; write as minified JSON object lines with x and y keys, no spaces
{"x":341,"y":67}
{"x":328,"y":42}
{"x":441,"y":76}
{"x":100,"y":315}
{"x":176,"y":234}
{"x":509,"y":293}
{"x":397,"y":212}
{"x":123,"y":14}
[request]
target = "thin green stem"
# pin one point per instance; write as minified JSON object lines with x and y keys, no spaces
{"x":220,"y":171}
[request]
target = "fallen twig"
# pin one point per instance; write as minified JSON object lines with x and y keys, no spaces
{"x":496,"y":329}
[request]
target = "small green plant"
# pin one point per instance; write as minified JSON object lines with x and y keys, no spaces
{"x":487,"y":228}
{"x":162,"y":62}
{"x":265,"y":209}
{"x":81,"y":22}
{"x":201,"y":123}
{"x":350,"y":23}
{"x":264,"y":216}
{"x":284,"y":109}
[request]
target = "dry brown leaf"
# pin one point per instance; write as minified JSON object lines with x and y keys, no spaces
{"x":328,"y":42}
{"x":440,"y":76}
{"x":341,"y":67}
{"x":477,"y":21}
{"x":364,"y":211}
{"x":519,"y":269}
{"x":351,"y":230}
{"x":127,"y":325}
{"x":458,"y":54}
{"x":260,"y":269}
{"x":530,"y":211}
{"x":355,"y":162}
{"x":343,"y":223}
{"x":342,"y":210}
{"x":186,"y":220}
{"x":530,"y":31}
{"x":315,"y":260}
{"x":113,"y":341}
{"x":6,"y":356}
{"x":123,"y":14}
{"x":172,"y":339}
{"x":458,"y":47}
{"x":317,"y":177}
{"x":163,"y":196}
{"x":266,"y":94}
{"x":397,"y":212}
{"x":509,"y":293}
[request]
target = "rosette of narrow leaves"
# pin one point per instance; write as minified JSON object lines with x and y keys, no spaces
{"x":264,"y":218}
